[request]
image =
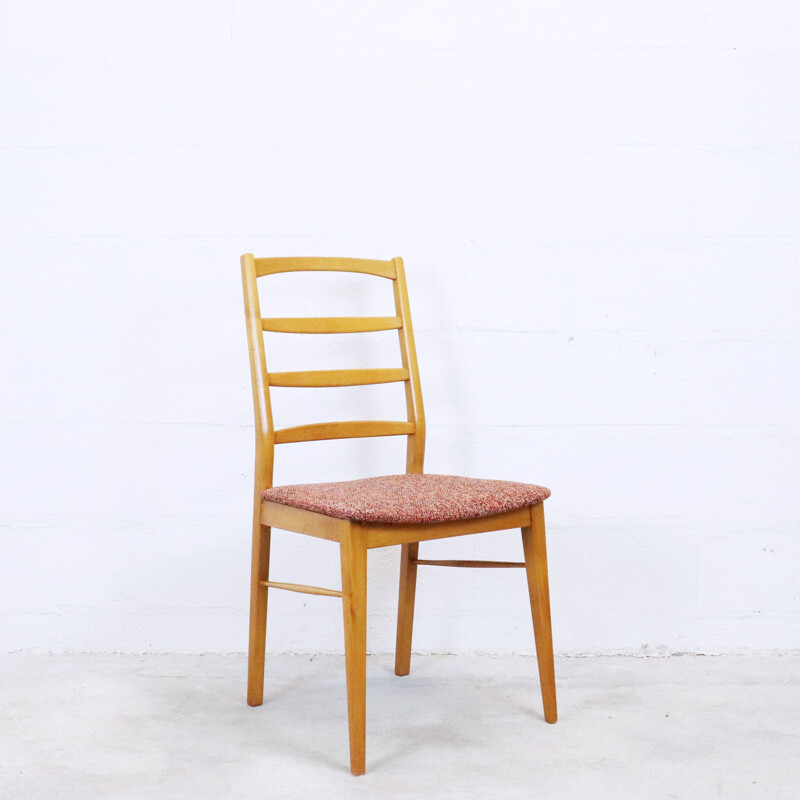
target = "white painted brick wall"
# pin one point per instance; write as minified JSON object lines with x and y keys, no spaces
{"x":598,"y":206}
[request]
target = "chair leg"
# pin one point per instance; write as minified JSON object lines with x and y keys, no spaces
{"x":405,"y":607}
{"x":258,"y":608}
{"x":533,"y":544}
{"x":354,"y":604}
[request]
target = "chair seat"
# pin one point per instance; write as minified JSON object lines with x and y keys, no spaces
{"x":409,"y":499}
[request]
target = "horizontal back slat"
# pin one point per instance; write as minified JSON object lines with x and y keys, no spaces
{"x":267,"y":436}
{"x":337,"y":377}
{"x":330,"y":324}
{"x":342,"y":430}
{"x":272,"y":266}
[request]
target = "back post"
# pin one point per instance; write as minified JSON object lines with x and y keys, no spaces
{"x":415,"y":453}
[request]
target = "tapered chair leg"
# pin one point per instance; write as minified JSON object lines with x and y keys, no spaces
{"x":534,"y":547}
{"x":405,"y":607}
{"x":258,"y":609}
{"x":354,"y":604}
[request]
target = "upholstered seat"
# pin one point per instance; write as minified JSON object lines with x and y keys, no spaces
{"x":409,"y":499}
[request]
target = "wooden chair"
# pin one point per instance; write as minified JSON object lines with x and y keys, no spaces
{"x":377,"y":512}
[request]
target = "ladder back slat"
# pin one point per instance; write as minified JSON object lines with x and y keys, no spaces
{"x":330,"y":324}
{"x":342,"y":430}
{"x":337,"y":377}
{"x":272,"y":266}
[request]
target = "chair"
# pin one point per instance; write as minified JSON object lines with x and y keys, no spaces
{"x":374,"y":512}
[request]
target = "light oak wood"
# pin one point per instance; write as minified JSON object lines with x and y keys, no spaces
{"x":302,"y":588}
{"x":473,"y":564}
{"x":405,"y":607}
{"x":272,"y":266}
{"x":354,"y":538}
{"x":354,"y":606}
{"x":299,"y":520}
{"x":330,"y":324}
{"x":317,"y":431}
{"x":258,"y":612}
{"x":265,"y":440}
{"x":337,"y":377}
{"x":535,"y":549}
{"x":263,"y":478}
{"x":415,"y":453}
{"x":388,"y":535}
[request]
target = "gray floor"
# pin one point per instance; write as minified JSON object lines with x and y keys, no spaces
{"x":169,"y":726}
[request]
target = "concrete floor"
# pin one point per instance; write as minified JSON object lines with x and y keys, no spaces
{"x":172,"y":726}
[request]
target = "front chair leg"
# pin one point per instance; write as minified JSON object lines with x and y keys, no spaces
{"x":405,"y":607}
{"x":354,"y":604}
{"x":534,"y":547}
{"x":258,"y":609}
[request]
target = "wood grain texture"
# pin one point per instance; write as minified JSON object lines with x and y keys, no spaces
{"x":415,"y":451}
{"x":317,"y":431}
{"x":258,"y":611}
{"x":405,"y":607}
{"x":535,"y":549}
{"x":388,"y":535}
{"x":302,"y":588}
{"x":469,"y":563}
{"x":273,"y":266}
{"x":299,"y":520}
{"x":329,"y":324}
{"x":265,"y":442}
{"x":354,"y":606}
{"x":337,"y":377}
{"x":262,"y":479}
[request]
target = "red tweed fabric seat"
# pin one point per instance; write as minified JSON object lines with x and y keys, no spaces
{"x":408,"y":499}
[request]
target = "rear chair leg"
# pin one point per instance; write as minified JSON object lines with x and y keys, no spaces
{"x":405,"y":607}
{"x":533,"y":544}
{"x":258,"y":608}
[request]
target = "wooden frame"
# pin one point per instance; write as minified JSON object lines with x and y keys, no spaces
{"x":355,"y":538}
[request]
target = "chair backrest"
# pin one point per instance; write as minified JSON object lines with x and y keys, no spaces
{"x":266,"y":434}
